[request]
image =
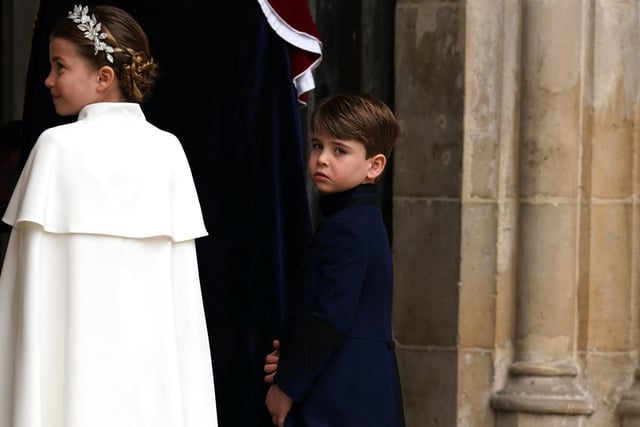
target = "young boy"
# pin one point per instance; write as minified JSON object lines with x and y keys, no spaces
{"x":336,"y":365}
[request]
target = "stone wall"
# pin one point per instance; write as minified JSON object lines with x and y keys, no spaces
{"x":427,"y":208}
{"x":516,"y":212}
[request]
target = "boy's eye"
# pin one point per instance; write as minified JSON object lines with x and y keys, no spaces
{"x":316,"y":146}
{"x":339,"y":150}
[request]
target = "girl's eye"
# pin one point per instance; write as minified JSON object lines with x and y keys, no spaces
{"x":340,"y":151}
{"x":316,"y":146}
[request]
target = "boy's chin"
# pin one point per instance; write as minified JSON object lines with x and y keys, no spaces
{"x":330,"y":189}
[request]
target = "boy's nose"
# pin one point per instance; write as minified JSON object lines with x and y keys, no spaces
{"x":322,"y":157}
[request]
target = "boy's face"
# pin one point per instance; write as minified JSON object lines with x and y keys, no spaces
{"x":338,"y":165}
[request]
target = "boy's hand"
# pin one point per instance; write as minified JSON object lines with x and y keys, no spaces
{"x":278,"y":404}
{"x":271,"y":362}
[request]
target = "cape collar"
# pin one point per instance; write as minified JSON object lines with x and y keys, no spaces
{"x":107,"y":110}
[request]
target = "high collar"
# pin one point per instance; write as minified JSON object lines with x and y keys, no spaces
{"x":363,"y":194}
{"x":106,"y":110}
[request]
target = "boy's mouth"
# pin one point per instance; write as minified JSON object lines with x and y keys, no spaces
{"x":319,"y":176}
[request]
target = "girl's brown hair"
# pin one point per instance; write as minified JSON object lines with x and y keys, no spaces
{"x":133,"y":64}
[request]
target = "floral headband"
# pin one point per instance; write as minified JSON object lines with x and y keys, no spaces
{"x":91,"y":29}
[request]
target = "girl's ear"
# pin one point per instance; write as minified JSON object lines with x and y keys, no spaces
{"x":376,"y":166}
{"x":106,"y":77}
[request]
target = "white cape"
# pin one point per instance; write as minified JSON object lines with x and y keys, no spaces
{"x":101,"y":315}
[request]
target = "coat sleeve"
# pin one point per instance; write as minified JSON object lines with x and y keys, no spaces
{"x":340,"y":257}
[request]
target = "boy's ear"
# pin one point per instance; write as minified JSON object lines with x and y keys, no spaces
{"x":106,"y":77}
{"x":376,"y":166}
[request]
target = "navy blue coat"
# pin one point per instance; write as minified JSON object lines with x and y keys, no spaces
{"x":337,"y":359}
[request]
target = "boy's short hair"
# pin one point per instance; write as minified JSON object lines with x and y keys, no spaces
{"x":359,"y":117}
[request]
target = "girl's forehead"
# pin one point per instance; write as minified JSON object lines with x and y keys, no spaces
{"x":60,"y":47}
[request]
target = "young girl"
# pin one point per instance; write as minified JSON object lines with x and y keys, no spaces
{"x":101,"y":316}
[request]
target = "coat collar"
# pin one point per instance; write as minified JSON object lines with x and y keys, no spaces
{"x":363,"y":194}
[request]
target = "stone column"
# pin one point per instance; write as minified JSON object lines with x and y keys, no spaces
{"x":544,"y":380}
{"x":489,"y":203}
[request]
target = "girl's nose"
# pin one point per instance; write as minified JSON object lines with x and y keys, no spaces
{"x":48,"y":82}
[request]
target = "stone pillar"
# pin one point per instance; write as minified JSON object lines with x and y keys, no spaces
{"x":544,"y":380}
{"x":489,"y":203}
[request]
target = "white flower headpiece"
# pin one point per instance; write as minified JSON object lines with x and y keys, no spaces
{"x":91,"y":29}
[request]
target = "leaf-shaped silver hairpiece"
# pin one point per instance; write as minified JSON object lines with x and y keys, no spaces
{"x":91,"y":30}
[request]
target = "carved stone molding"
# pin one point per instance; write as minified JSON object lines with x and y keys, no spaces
{"x":543,"y":389}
